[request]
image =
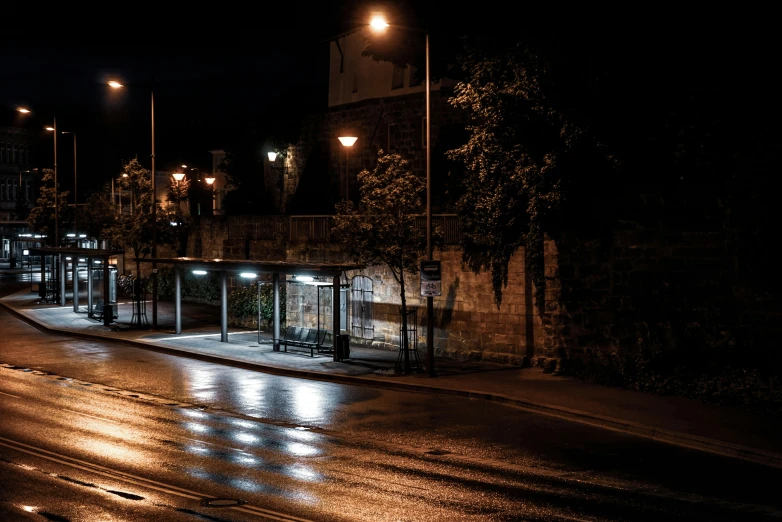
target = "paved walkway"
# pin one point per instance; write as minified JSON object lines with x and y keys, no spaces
{"x":718,"y":429}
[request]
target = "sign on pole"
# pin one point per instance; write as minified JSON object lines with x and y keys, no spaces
{"x":430,"y":279}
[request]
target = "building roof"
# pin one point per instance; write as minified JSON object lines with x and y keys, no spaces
{"x":281,"y":267}
{"x":75,"y":251}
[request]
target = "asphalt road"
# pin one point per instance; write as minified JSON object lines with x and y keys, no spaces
{"x":98,"y":431}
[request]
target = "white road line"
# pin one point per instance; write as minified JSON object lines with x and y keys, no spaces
{"x":9,"y":395}
{"x":136,"y":480}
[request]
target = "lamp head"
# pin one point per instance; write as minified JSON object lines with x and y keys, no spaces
{"x":347,"y":141}
{"x":378,"y":23}
{"x":115,"y":84}
{"x":23,"y":110}
{"x":209,"y":180}
{"x":178,"y":176}
{"x":272,"y":156}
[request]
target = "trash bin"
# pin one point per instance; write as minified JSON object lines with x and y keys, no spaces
{"x":344,"y":347}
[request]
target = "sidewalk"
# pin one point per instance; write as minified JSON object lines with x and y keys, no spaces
{"x":684,"y":422}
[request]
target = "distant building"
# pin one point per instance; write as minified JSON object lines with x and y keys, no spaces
{"x":17,"y":190}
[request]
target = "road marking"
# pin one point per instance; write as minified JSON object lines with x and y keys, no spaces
{"x":137,"y":480}
{"x":9,"y":395}
{"x":92,"y":416}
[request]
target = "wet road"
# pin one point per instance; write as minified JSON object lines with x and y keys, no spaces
{"x":95,"y":431}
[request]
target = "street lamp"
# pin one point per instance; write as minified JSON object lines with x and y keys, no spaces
{"x":347,"y":142}
{"x":53,"y":129}
{"x":210,"y":180}
{"x":379,"y":24}
{"x":117,"y":85}
{"x":75,"y":197}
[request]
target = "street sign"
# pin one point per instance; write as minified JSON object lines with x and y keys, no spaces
{"x":431,"y":284}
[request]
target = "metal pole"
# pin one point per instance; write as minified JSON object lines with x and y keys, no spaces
{"x":276,"y":298}
{"x":429,"y":299}
{"x":223,"y":306}
{"x":154,"y":217}
{"x":56,"y":192}
{"x":335,"y":317}
{"x":259,"y":311}
{"x":177,"y":301}
{"x":75,"y":197}
{"x":75,"y":283}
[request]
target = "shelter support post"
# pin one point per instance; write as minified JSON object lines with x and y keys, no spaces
{"x":223,"y":306}
{"x":276,"y":291}
{"x":177,"y":301}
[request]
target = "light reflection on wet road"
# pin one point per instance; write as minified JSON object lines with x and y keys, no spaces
{"x":175,"y":427}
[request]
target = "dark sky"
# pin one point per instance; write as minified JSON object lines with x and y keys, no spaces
{"x":217,"y":72}
{"x":213,"y":77}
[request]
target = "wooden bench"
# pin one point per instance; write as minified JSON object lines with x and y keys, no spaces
{"x":307,"y":338}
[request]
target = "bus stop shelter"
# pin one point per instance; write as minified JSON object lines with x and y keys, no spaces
{"x":96,"y":261}
{"x":332,"y":271}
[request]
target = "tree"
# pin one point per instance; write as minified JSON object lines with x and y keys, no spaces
{"x":97,"y":216}
{"x":177,"y":192}
{"x":132,"y":229}
{"x":518,"y":149}
{"x":382,"y":231}
{"x":42,"y":218}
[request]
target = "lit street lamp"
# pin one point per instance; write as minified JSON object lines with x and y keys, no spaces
{"x":347,"y":142}
{"x":379,"y":24}
{"x":53,"y":128}
{"x":117,"y":85}
{"x":210,"y":180}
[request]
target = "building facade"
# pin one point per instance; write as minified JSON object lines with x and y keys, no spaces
{"x":17,"y":190}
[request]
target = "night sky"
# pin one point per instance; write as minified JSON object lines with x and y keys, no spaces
{"x":219,"y":72}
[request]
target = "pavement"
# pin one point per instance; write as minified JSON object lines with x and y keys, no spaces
{"x":727,"y":431}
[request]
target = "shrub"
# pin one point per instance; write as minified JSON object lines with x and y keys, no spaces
{"x":243,"y":302}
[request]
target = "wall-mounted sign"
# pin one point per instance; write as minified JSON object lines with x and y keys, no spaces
{"x":431,"y":284}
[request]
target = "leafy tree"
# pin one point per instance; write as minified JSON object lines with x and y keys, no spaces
{"x":96,"y":216}
{"x":41,"y":218}
{"x":382,"y":231}
{"x":518,"y":149}
{"x":177,"y":192}
{"x":132,"y":229}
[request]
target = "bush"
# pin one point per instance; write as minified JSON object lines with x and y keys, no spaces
{"x":243,"y":302}
{"x":701,"y":365}
{"x":202,"y":288}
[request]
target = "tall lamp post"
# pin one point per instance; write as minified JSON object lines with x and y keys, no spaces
{"x":347,"y":142}
{"x":379,"y":24}
{"x":75,"y":197}
{"x":117,"y":85}
{"x":53,"y":129}
{"x":210,"y":180}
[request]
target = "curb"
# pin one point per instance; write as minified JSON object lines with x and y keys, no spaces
{"x":675,"y":438}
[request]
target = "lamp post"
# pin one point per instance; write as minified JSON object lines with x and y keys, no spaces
{"x":379,"y":24}
{"x":210,"y":180}
{"x":117,"y":85}
{"x":53,"y":129}
{"x":347,"y":142}
{"x":75,"y":196}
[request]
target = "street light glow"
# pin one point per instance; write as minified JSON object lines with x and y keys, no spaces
{"x":347,"y":141}
{"x":115,"y":84}
{"x":209,"y":180}
{"x":178,"y":176}
{"x":272,"y":156}
{"x":23,"y":110}
{"x":51,"y":129}
{"x":184,"y":166}
{"x":248,"y":275}
{"x":378,"y":23}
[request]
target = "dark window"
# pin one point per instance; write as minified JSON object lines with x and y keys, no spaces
{"x":398,"y":77}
